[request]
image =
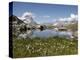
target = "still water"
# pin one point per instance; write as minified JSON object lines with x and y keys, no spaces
{"x":45,"y":33}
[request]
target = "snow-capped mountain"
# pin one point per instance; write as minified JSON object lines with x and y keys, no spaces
{"x":28,"y":19}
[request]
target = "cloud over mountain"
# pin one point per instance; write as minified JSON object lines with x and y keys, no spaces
{"x":27,"y":14}
{"x":27,"y":17}
{"x":71,"y":18}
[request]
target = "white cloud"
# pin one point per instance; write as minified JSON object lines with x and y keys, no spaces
{"x":27,"y":13}
{"x":62,"y":19}
{"x":46,"y":16}
{"x":69,"y":19}
{"x":30,"y":14}
{"x":72,"y":17}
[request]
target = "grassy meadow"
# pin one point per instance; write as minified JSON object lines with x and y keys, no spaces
{"x":44,"y":47}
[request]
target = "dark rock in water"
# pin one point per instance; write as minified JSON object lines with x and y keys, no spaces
{"x":42,"y":28}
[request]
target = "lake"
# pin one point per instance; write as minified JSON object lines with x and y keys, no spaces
{"x":45,"y":33}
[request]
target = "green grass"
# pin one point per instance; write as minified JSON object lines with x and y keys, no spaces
{"x":44,"y":47}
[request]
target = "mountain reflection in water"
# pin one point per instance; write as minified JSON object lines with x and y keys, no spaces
{"x":44,"y":33}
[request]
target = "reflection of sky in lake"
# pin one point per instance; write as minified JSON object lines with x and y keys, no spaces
{"x":45,"y":33}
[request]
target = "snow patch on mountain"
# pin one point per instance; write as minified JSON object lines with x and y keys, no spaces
{"x":27,"y":18}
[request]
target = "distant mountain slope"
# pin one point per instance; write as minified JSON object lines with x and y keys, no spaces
{"x":15,"y":19}
{"x":28,"y":21}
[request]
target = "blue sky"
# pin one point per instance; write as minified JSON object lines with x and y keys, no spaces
{"x":45,"y":13}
